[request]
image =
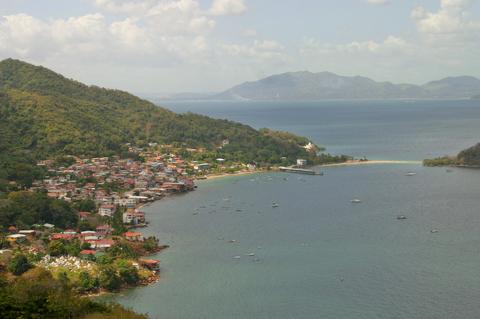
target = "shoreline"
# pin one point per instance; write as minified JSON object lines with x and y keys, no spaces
{"x":369,"y":162}
{"x":347,"y":163}
{"x":223,"y":175}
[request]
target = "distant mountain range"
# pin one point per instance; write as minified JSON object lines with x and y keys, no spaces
{"x":325,"y":85}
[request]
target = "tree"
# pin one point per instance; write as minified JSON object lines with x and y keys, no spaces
{"x":128,"y":272}
{"x":87,"y":282}
{"x":108,"y":278}
{"x":56,"y":248}
{"x":19,"y":264}
{"x":122,"y":250}
{"x":73,"y":248}
{"x":150,"y":244}
{"x":85,"y":205}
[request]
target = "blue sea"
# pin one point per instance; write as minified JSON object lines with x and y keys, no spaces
{"x":317,"y":255}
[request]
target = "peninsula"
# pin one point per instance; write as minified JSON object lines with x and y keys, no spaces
{"x":466,"y":158}
{"x":78,"y":162}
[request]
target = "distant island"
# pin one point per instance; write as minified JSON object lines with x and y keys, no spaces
{"x":466,"y":158}
{"x":308,"y":86}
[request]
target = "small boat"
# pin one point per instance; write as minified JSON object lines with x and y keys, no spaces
{"x":401,"y":217}
{"x":355,"y":201}
{"x":274,"y":205}
{"x":232,"y":241}
{"x":251,"y":254}
{"x":239,"y":210}
{"x":411,"y":174}
{"x":449,"y":170}
{"x":237,"y":257}
{"x":434,"y":231}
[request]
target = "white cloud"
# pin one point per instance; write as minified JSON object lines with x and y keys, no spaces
{"x":452,"y":18}
{"x":379,"y":2}
{"x":390,"y":45}
{"x":228,"y":7}
{"x":249,"y":33}
{"x":265,"y":50}
{"x":173,"y":41}
{"x":130,"y":7}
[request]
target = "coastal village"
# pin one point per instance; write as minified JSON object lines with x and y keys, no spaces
{"x":114,"y":190}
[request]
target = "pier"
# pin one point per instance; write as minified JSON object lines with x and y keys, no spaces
{"x":298,"y":170}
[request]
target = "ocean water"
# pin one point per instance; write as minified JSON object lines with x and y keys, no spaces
{"x":318,"y":255}
{"x":376,"y":129}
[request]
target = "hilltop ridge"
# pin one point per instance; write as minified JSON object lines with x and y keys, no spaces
{"x":44,"y":114}
{"x":305,"y":85}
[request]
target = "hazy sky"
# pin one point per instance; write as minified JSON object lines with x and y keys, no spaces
{"x":158,"y":46}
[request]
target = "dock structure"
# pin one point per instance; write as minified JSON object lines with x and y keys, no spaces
{"x":298,"y":170}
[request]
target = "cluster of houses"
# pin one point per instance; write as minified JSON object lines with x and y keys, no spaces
{"x":99,"y":240}
{"x":114,"y":182}
{"x":101,"y":179}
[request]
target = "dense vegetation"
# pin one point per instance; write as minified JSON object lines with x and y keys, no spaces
{"x":36,"y":294}
{"x":440,"y":161}
{"x":43,"y":114}
{"x":469,"y":157}
{"x":24,"y":209}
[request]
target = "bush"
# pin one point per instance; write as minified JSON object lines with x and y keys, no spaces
{"x":19,"y":264}
{"x":150,"y":244}
{"x":87,"y":282}
{"x":128,"y":272}
{"x":56,"y":248}
{"x":109,"y":279}
{"x":122,"y":250}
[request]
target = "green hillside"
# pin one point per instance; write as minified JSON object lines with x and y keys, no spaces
{"x":43,"y":114}
{"x":469,"y":157}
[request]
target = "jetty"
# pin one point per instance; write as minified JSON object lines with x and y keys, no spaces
{"x":298,"y":170}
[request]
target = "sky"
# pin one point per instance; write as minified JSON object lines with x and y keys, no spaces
{"x":168,"y":46}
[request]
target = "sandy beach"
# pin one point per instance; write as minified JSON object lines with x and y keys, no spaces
{"x":348,"y":163}
{"x":372,"y":162}
{"x":217,"y":176}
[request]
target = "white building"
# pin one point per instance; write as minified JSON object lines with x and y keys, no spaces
{"x":301,"y":162}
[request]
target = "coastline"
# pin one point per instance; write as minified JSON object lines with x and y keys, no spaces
{"x":369,"y":162}
{"x":223,"y":175}
{"x":347,"y":163}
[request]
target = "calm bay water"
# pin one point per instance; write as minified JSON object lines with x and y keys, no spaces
{"x":376,"y":129}
{"x":317,"y":255}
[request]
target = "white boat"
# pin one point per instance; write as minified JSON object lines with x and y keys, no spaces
{"x":433,"y":231}
{"x":401,"y":217}
{"x":274,"y":205}
{"x":237,"y":257}
{"x":251,"y":254}
{"x":355,"y":201}
{"x":411,"y":174}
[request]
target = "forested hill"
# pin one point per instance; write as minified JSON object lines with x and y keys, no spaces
{"x":469,"y":157}
{"x":43,"y":114}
